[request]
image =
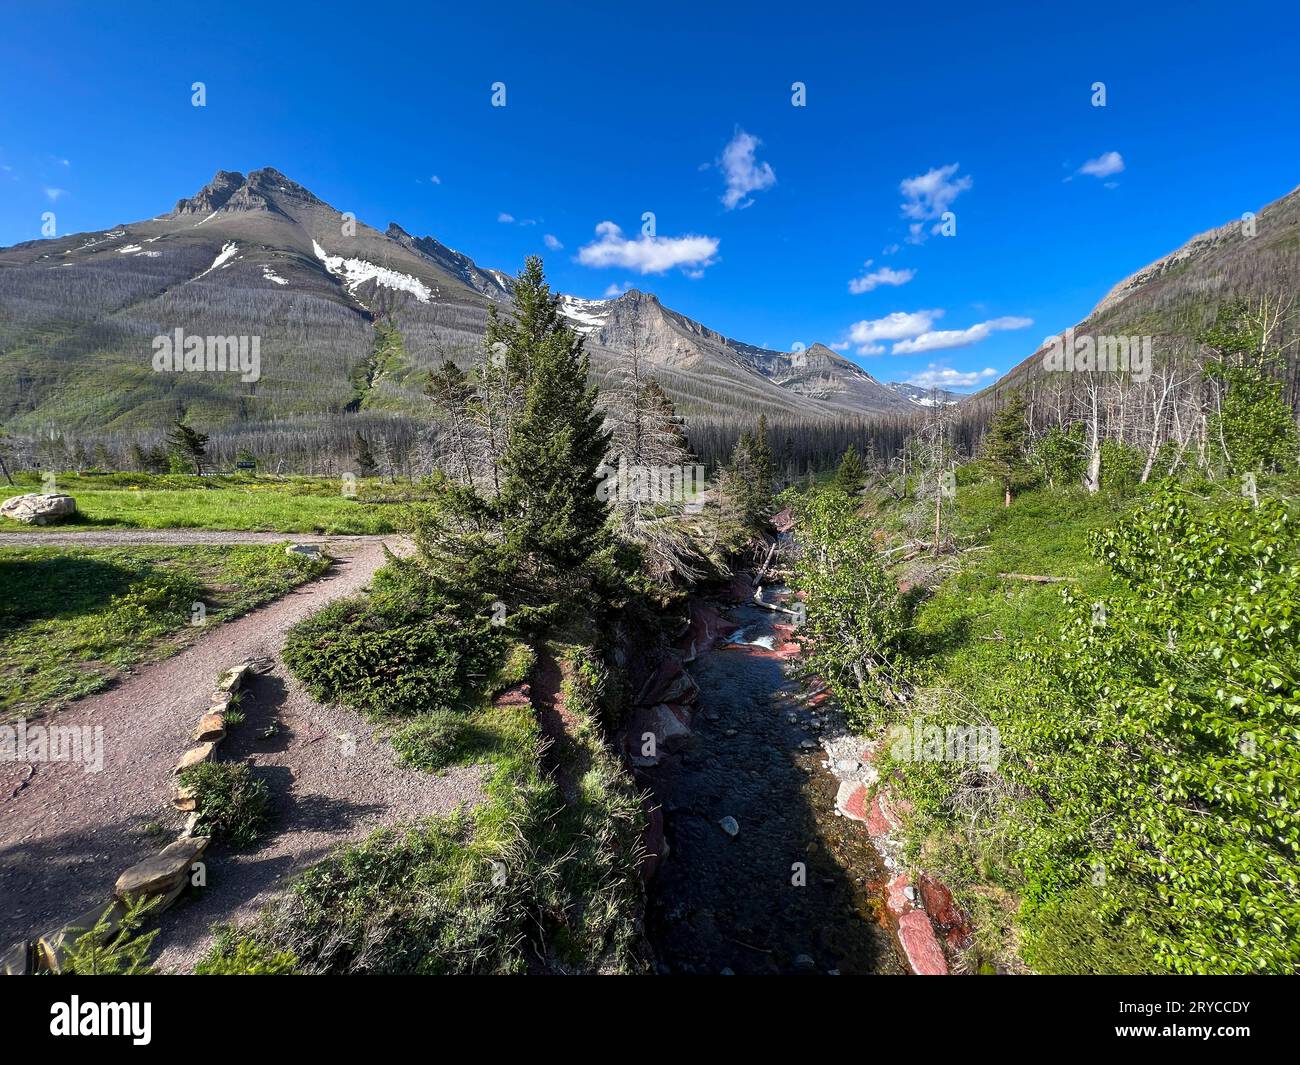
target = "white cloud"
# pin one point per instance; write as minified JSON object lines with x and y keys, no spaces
{"x":503,"y":217}
{"x":936,"y":376}
{"x":1103,"y":166}
{"x":616,"y":289}
{"x":435,"y":180}
{"x":843,"y":345}
{"x":646,"y":254}
{"x":943,"y":339}
{"x":884,"y":276}
{"x":889,"y":249}
{"x":867,"y":333}
{"x":552,"y":242}
{"x":928,"y":195}
{"x":743,"y":173}
{"x":54,"y":194}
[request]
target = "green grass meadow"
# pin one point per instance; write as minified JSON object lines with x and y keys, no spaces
{"x":314,"y":505}
{"x":72,"y":619}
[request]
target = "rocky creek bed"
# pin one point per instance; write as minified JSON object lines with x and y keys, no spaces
{"x":795,"y":888}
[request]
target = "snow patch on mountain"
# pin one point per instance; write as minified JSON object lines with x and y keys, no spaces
{"x":355,"y":272}
{"x":587,"y":315}
{"x":226,"y":254}
{"x":112,"y":234}
{"x":271,"y":275}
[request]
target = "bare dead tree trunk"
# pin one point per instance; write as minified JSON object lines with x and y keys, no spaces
{"x":1092,"y":480}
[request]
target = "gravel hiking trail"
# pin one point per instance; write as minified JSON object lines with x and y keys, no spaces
{"x":164,"y":537}
{"x":66,"y":834}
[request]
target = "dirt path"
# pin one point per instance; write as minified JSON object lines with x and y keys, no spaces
{"x":145,"y":537}
{"x":67,"y":834}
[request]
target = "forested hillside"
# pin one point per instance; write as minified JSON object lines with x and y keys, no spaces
{"x":350,"y":322}
{"x":1124,"y":651}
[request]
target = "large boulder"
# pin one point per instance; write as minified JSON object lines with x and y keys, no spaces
{"x":39,"y":508}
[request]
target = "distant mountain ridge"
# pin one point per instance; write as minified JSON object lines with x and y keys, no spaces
{"x":926,"y":397}
{"x":1177,"y":296}
{"x":260,"y":254}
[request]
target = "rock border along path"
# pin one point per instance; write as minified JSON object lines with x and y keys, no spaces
{"x":67,"y":834}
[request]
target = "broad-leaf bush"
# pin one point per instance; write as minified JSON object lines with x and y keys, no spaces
{"x":1164,"y":751}
{"x":853,"y":613}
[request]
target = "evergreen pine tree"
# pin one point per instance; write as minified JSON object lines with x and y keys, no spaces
{"x":1007,"y":442}
{"x":365,"y":459}
{"x":764,"y":461}
{"x":553,"y":518}
{"x":188,"y":447}
{"x":850,"y":477}
{"x":455,"y":399}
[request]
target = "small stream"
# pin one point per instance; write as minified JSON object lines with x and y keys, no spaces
{"x":724,"y":903}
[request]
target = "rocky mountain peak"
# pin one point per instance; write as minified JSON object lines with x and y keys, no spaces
{"x":230,"y":190}
{"x":213,"y":196}
{"x":269,"y":183}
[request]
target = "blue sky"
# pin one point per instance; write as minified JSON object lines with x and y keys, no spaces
{"x":764,"y":212}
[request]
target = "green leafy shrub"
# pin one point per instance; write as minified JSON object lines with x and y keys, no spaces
{"x":232,"y":804}
{"x":1121,"y":466}
{"x":1071,"y":935}
{"x":1061,"y":455}
{"x":854,"y":616}
{"x":1163,"y":746}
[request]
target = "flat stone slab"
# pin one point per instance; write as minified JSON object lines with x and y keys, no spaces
{"x":670,"y":733}
{"x":211,"y":727}
{"x":195,"y":756}
{"x":232,"y":678}
{"x":163,"y":872}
